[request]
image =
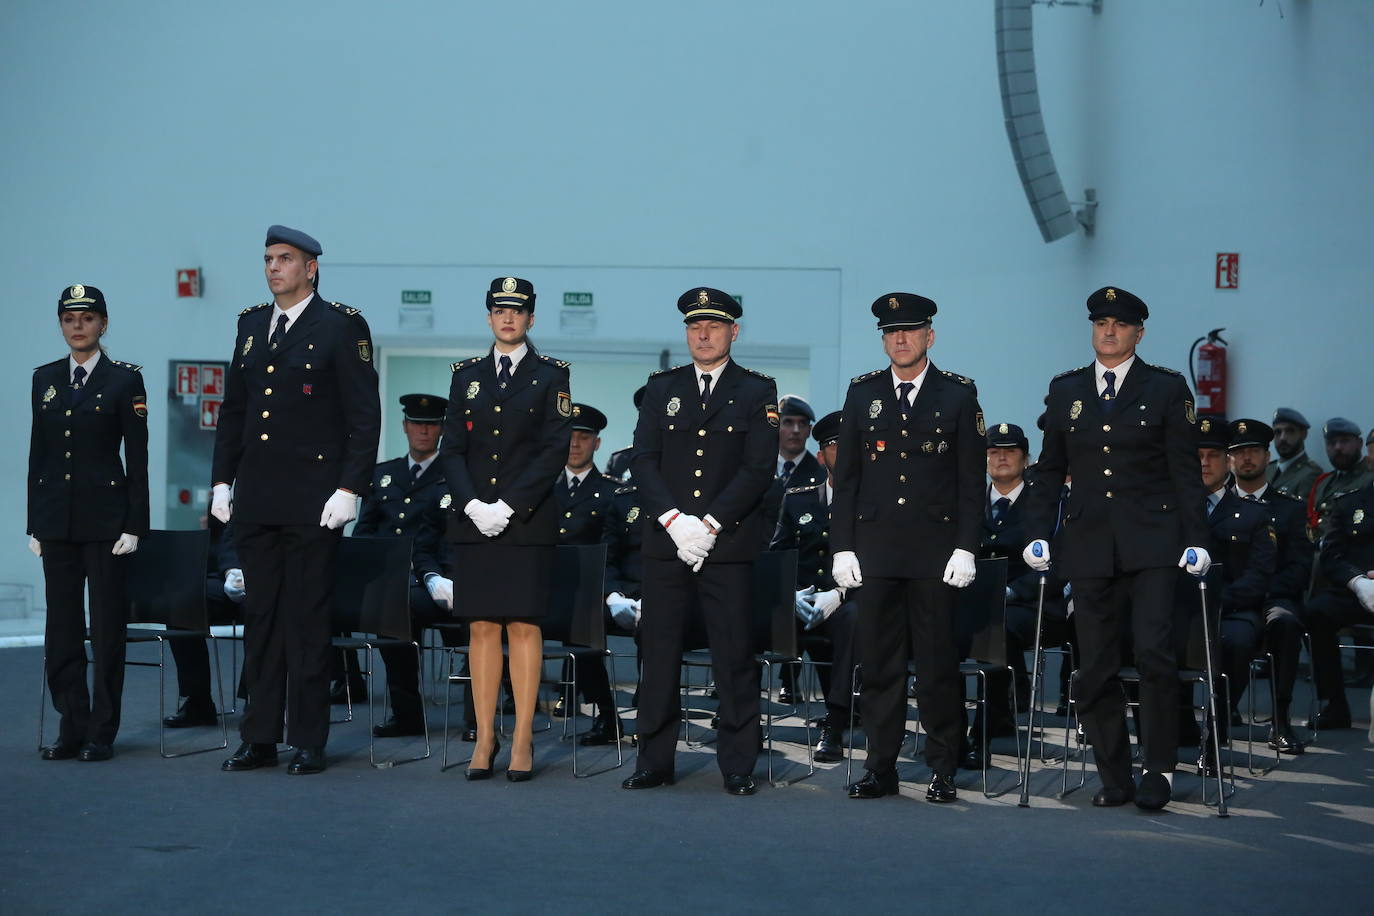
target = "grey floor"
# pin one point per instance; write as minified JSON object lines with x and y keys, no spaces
{"x":143,"y":833}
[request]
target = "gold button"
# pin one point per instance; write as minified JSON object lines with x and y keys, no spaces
{"x":670,"y":426}
{"x":696,"y":493}
{"x":495,"y":457}
{"x":701,"y":432}
{"x":400,"y":515}
{"x":267,"y":391}
{"x":905,"y":433}
{"x":69,"y":413}
{"x":406,"y":500}
{"x":700,"y":452}
{"x":265,"y":415}
{"x":901,"y":500}
{"x":398,"y":530}
{"x":66,"y":477}
{"x":567,"y":515}
{"x":1106,"y":427}
{"x":903,"y":454}
{"x":493,"y":480}
{"x":562,"y":530}
{"x":69,"y":454}
{"x":1107,"y":472}
{"x":697,"y":472}
{"x":271,"y":369}
{"x":497,"y":408}
{"x":307,"y":365}
{"x":729,"y":429}
{"x":264,"y":437}
{"x":496,"y":432}
{"x":319,"y":457}
{"x":67,"y":433}
{"x":993,"y":538}
{"x":1109,"y":494}
{"x":1106,"y":449}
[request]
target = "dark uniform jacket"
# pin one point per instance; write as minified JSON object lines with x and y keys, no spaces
{"x":808,"y":471}
{"x":718,"y":461}
{"x":1137,"y":497}
{"x":909,"y":492}
{"x":1328,"y":489}
{"x":618,"y":466}
{"x":395,"y":504}
{"x":623,"y":537}
{"x":1297,"y":478}
{"x":79,"y":490}
{"x":1348,"y":549}
{"x":299,"y":423}
{"x":804,"y":525}
{"x":1293,"y":561}
{"x":1244,"y":543}
{"x":582,"y":516}
{"x":1006,"y":538}
{"x":507,"y":445}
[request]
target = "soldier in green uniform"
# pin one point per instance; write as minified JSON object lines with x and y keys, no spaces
{"x":1294,"y":472}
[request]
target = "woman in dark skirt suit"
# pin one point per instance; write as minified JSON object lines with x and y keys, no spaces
{"x":87,"y":510}
{"x":505,"y":439}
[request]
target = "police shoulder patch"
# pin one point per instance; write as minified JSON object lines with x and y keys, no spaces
{"x":1282,"y":494}
{"x":806,"y":489}
{"x":253,"y":308}
{"x":470,"y":361}
{"x":347,"y":310}
{"x":866,"y":376}
{"x":560,"y":363}
{"x":956,"y":377}
{"x":130,"y":366}
{"x":627,"y":488}
{"x":757,"y":374}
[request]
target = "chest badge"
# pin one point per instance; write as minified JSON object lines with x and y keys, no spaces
{"x":385,"y":481}
{"x":881,"y":445}
{"x":473,"y":388}
{"x":49,"y":394}
{"x":247,"y":345}
{"x":674,"y":405}
{"x":927,"y":446}
{"x":1358,"y":516}
{"x":632,"y":516}
{"x":445,"y":501}
{"x":805,"y":519}
{"x":1076,"y":410}
{"x":874,"y":409}
{"x":942,"y":447}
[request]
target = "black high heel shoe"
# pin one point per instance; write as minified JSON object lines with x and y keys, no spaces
{"x":522,"y":775}
{"x":472,"y":774}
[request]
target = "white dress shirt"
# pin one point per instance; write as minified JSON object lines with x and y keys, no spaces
{"x":915,"y":383}
{"x":1120,"y":374}
{"x":291,"y":314}
{"x":714,"y":373}
{"x":515,"y":356}
{"x":89,"y":365}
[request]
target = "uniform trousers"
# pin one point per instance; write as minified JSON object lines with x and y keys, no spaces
{"x":67,"y":567}
{"x":1280,"y":632}
{"x":722,"y":591}
{"x":402,"y":666}
{"x":289,"y":571}
{"x":901,"y":619}
{"x":1329,"y":610}
{"x":1103,"y":608}
{"x":840,"y":649}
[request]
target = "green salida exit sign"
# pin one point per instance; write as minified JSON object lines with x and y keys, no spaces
{"x":416,"y":297}
{"x":582,"y":300}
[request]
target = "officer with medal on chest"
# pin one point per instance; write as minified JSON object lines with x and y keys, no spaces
{"x":296,"y":442}
{"x":908,"y":506}
{"x":705,"y":446}
{"x":1126,"y":431}
{"x":403,"y":490}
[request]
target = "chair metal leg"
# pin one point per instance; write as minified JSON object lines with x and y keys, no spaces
{"x":450,"y":677}
{"x":42,"y":699}
{"x":1071,"y":723}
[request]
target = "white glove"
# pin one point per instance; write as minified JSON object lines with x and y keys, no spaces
{"x":1200,"y":563}
{"x":127,"y":543}
{"x":691,"y":536}
{"x":339,"y":510}
{"x":826,"y":603}
{"x":844,"y":568}
{"x":1363,"y":587}
{"x":805,"y":612}
{"x":220,"y":506}
{"x":960,"y":569}
{"x":233,"y":585}
{"x":440,"y":589}
{"x":1038,"y":561}
{"x":35,"y":547}
{"x":622,"y":610}
{"x":489,"y":518}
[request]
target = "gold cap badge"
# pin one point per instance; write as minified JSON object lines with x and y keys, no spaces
{"x":1003,"y":429}
{"x":1240,"y":427}
{"x":1111,"y":294}
{"x":1205,"y":426}
{"x":508,"y":285}
{"x":78,"y":291}
{"x":703,"y":298}
{"x":892,"y":302}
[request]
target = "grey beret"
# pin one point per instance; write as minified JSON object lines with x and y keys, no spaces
{"x":1289,"y":415}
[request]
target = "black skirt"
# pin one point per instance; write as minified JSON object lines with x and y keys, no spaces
{"x":501,"y":581}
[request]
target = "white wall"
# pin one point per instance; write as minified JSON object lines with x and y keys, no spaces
{"x":865,"y":136}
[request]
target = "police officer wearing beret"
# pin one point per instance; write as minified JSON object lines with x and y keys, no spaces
{"x":402,"y":490}
{"x":86,"y":512}
{"x":1244,"y":543}
{"x":505,"y":438}
{"x":705,"y":447}
{"x":1126,"y":431}
{"x":823,"y":608}
{"x":1280,"y":627}
{"x":618,"y":465}
{"x":908,"y":495}
{"x":297,"y":440}
{"x":1294,"y":472}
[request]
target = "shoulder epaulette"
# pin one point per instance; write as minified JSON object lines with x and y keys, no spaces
{"x":1165,"y":369}
{"x":129,"y":366}
{"x":1284,"y":494}
{"x":666,"y":371}
{"x":53,"y":363}
{"x":560,"y":363}
{"x":956,"y":377}
{"x":866,"y":376}
{"x":347,"y":310}
{"x":1068,"y":372}
{"x":627,"y":488}
{"x":806,"y":489}
{"x":757,"y":374}
{"x":254,"y":308}
{"x":467,"y":362}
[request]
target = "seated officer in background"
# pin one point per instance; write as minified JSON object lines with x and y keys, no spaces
{"x":1281,"y":622}
{"x":1369,"y":451}
{"x":403,"y":490}
{"x":1348,"y":472}
{"x":796,"y":468}
{"x":583,"y":496}
{"x":822,"y":606}
{"x":1243,"y":542}
{"x":223,"y":595}
{"x":618,"y":466}
{"x":1294,"y":472}
{"x":1347,"y":565}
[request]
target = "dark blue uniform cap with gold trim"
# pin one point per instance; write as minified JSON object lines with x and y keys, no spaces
{"x":81,"y":298}
{"x":1115,"y":302}
{"x":827,"y":428}
{"x":1212,"y":431}
{"x":1246,"y":432}
{"x":902,"y":310}
{"x":1007,"y":435}
{"x":423,"y":408}
{"x":702,"y":302}
{"x":284,"y":235}
{"x":587,"y":418}
{"x":510,"y":293}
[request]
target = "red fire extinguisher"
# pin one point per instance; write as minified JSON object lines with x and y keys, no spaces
{"x":1209,"y":372}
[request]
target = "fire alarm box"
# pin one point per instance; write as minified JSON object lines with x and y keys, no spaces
{"x":188,"y":283}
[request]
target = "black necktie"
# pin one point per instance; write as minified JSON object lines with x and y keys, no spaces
{"x":78,"y":378}
{"x":503,"y":375}
{"x":1109,"y":393}
{"x":279,"y":333}
{"x":904,"y":393}
{"x":1000,"y":507}
{"x":1209,"y":506}
{"x":415,"y":471}
{"x":705,"y":388}
{"x":788,"y":467}
{"x":572,"y":486}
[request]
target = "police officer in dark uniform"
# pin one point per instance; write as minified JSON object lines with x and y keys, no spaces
{"x":1126,"y":431}
{"x":618,"y":465}
{"x":224,"y":592}
{"x":908,"y":494}
{"x":1281,"y":619}
{"x":823,"y":607}
{"x":297,"y":440}
{"x":704,"y":455}
{"x":86,"y":512}
{"x":1244,"y":543}
{"x":796,"y":468}
{"x":1294,"y":472}
{"x":623,"y":535}
{"x":403,"y":489}
{"x":1348,"y":472}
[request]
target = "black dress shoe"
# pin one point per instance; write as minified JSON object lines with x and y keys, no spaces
{"x":1282,"y":740}
{"x":831,"y":746}
{"x":737,"y":784}
{"x":398,"y":728}
{"x":307,"y":760}
{"x":605,"y":730}
{"x":976,"y":758}
{"x":473,"y":774}
{"x":1331,"y":717}
{"x":60,"y":751}
{"x":192,"y":712}
{"x":787,"y":696}
{"x":560,"y":707}
{"x":470,"y":734}
{"x":1114,"y":796}
{"x":92,"y":752}
{"x":1153,"y":793}
{"x":647,"y":779}
{"x":874,"y":785}
{"x":250,"y":757}
{"x":941,"y":789}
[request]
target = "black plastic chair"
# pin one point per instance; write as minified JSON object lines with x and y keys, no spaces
{"x":165,"y":587}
